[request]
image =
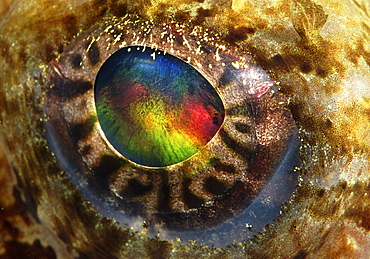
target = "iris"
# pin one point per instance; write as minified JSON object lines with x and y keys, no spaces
{"x":155,"y":109}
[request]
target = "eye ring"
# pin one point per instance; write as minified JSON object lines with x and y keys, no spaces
{"x":113,"y":183}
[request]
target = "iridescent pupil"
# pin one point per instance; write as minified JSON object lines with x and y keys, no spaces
{"x":155,"y":109}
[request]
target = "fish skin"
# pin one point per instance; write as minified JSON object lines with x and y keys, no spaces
{"x":319,"y":52}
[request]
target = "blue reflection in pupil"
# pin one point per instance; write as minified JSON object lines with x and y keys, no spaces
{"x":155,"y":109}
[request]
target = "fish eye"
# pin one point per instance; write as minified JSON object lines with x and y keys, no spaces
{"x":171,"y":131}
{"x":318,"y":53}
{"x":155,"y":109}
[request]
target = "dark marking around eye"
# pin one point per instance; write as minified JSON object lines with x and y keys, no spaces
{"x":221,"y":167}
{"x":191,"y":200}
{"x":135,"y":188}
{"x":84,"y":129}
{"x":227,"y":76}
{"x":75,"y":88}
{"x":244,"y":109}
{"x":243,"y":151}
{"x":48,"y":53}
{"x":205,"y":216}
{"x":214,"y":186}
{"x":164,"y":198}
{"x":86,"y":150}
{"x":322,"y":67}
{"x":107,"y":166}
{"x":205,"y":50}
{"x":76,"y":61}
{"x":243,"y":128}
{"x":93,"y":54}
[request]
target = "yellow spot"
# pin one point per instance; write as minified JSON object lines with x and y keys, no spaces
{"x":352,"y":243}
{"x":236,"y":64}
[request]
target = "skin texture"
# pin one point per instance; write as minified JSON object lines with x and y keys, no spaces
{"x":319,"y":52}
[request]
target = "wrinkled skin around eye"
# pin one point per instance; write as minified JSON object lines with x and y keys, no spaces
{"x":319,"y":52}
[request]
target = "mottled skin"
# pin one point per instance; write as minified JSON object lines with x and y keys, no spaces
{"x":319,"y":52}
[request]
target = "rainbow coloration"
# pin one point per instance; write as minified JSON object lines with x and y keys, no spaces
{"x":155,"y":109}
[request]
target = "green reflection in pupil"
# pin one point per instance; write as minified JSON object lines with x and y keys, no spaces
{"x":155,"y":110}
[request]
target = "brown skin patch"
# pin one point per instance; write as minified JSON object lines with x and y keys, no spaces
{"x":360,"y":215}
{"x":354,"y":54}
{"x":109,"y":238}
{"x":16,"y":249}
{"x":237,"y":34}
{"x":360,"y":143}
{"x":182,"y":15}
{"x":307,"y":58}
{"x":202,"y":15}
{"x":359,"y":212}
{"x":14,"y":219}
{"x":118,"y":9}
{"x":70,"y":25}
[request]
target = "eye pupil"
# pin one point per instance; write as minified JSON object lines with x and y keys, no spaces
{"x":155,"y":109}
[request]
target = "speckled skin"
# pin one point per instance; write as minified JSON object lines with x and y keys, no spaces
{"x":319,"y":52}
